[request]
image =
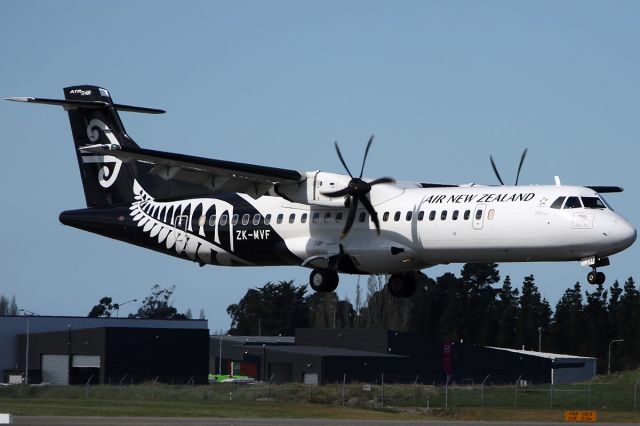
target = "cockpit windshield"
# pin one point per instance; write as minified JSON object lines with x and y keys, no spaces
{"x":575,"y":203}
{"x":593,"y":203}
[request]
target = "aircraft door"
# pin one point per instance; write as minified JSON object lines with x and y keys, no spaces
{"x":180,"y":228}
{"x":478,"y":216}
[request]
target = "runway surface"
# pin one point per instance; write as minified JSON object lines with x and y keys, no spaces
{"x":182,"y":421}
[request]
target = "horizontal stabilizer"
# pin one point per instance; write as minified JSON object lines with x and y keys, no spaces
{"x":605,"y":189}
{"x":143,"y":110}
{"x":68,"y":104}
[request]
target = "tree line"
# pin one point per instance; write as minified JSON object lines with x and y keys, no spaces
{"x":157,"y":305}
{"x":475,"y":307}
{"x":8,"y":305}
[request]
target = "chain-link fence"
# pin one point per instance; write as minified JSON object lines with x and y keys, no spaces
{"x":519,"y":394}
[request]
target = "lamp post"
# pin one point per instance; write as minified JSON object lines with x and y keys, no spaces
{"x":609,"y":357}
{"x":220,"y":356}
{"x":118,"y":305}
{"x":539,"y":339}
{"x":26,"y":351}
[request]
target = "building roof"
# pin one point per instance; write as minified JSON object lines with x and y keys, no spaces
{"x":257,"y":340}
{"x":547,"y":355}
{"x":327,"y":351}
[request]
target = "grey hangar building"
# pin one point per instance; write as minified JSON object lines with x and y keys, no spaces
{"x":80,"y":350}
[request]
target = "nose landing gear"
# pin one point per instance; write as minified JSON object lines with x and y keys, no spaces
{"x":595,"y":277}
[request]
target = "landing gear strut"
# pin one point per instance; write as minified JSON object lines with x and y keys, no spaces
{"x":324,"y":280}
{"x":595,"y":277}
{"x":403,"y":285}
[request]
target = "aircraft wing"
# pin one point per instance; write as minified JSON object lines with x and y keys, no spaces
{"x":218,"y":175}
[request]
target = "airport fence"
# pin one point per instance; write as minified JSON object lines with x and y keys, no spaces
{"x":520,"y":394}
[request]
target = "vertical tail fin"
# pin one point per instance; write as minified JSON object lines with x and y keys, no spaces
{"x":94,"y":119}
{"x":107,"y":181}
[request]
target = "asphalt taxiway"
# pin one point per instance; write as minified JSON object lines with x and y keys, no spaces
{"x":184,"y":421}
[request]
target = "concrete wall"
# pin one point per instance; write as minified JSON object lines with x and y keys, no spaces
{"x":573,"y":370}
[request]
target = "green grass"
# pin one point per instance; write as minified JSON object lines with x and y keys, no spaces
{"x":611,"y":396}
{"x":65,"y":407}
{"x":226,"y":409}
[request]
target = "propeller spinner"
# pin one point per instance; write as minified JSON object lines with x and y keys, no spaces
{"x":357,"y":191}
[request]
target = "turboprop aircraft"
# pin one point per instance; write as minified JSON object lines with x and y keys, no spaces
{"x":225,"y":213}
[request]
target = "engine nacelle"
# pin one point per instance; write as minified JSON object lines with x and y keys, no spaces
{"x":310,"y":190}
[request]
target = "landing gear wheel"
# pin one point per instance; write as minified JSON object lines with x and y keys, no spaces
{"x":324,"y":280}
{"x":595,"y":277}
{"x":402,"y":285}
{"x":395,"y":285}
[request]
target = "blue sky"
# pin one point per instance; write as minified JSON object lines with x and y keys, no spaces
{"x":441,"y":84}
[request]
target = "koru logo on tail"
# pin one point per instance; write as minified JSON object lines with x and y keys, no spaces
{"x":106,"y":175}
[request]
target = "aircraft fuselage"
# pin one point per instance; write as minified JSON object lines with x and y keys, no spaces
{"x":420,"y":227}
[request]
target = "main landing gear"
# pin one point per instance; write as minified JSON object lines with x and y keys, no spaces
{"x":324,"y":280}
{"x":398,"y":285}
{"x":403,"y":285}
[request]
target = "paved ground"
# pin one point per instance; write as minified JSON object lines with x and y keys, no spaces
{"x":181,"y":421}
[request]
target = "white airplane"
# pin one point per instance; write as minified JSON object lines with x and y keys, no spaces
{"x":235,"y":214}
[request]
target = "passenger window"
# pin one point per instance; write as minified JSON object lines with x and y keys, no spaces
{"x":223,"y":219}
{"x":409,"y":214}
{"x":292,"y":218}
{"x":212,"y":220}
{"x":267,"y":219}
{"x":339,"y":217}
{"x":491,"y":214}
{"x":443,"y":215}
{"x":256,"y":219}
{"x":467,"y":214}
{"x":396,"y":216}
{"x":303,"y":218}
{"x":478,"y":214}
{"x":572,"y":203}
{"x":202,"y":220}
{"x":454,"y":216}
{"x":363,"y":215}
{"x":245,"y":219}
{"x":557,"y":203}
{"x":316,"y":217}
{"x":592,"y":203}
{"x":432,"y":215}
{"x":234,"y":219}
{"x":279,"y":218}
{"x":421,"y":215}
{"x":327,"y":217}
{"x":385,"y":216}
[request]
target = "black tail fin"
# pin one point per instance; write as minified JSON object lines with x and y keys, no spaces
{"x":107,"y":181}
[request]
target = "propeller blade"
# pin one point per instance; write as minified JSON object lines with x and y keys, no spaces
{"x":340,"y":193}
{"x":350,"y":216}
{"x":382,"y":180}
{"x":366,"y":152}
{"x":495,"y":170}
{"x":372,"y":212}
{"x":342,"y":159}
{"x":524,"y":154}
